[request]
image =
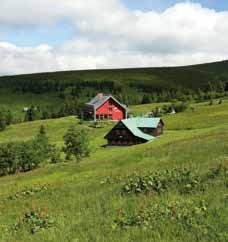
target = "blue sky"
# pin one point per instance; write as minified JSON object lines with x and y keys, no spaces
{"x":163,"y":4}
{"x":54,"y":34}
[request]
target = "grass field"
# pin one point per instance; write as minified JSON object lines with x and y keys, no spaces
{"x":84,"y":207}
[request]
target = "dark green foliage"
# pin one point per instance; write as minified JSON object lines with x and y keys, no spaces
{"x":6,"y":118}
{"x":180,"y":106}
{"x":176,"y":107}
{"x":219,"y":171}
{"x":54,"y":154}
{"x":35,"y":221}
{"x":2,"y":121}
{"x":76,"y":143}
{"x":24,"y":156}
{"x":146,"y":99}
{"x":33,"y":113}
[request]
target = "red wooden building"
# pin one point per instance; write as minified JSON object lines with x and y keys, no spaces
{"x":104,"y":107}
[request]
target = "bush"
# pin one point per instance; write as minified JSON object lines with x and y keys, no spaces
{"x":184,"y":180}
{"x":24,"y":156}
{"x":180,"y":106}
{"x":190,"y":214}
{"x":35,"y":221}
{"x":76,"y":143}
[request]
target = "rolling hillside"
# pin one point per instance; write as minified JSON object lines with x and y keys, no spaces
{"x":51,"y":90}
{"x":190,"y":77}
{"x":86,"y":200}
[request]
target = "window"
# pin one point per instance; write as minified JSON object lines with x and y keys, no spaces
{"x":97,"y":116}
{"x":105,"y":116}
{"x":101,"y":116}
{"x":110,"y":116}
{"x":110,"y":109}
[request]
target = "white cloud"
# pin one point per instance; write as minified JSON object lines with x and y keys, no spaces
{"x":113,"y":36}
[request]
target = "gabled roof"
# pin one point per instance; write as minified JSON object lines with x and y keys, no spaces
{"x":99,"y":100}
{"x":133,"y":124}
{"x":144,"y":122}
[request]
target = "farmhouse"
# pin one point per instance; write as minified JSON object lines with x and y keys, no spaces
{"x":135,"y":131}
{"x":104,"y":107}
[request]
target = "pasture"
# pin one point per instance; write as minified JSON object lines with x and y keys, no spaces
{"x":86,"y":201}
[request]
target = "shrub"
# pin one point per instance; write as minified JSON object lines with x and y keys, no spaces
{"x":190,"y":214}
{"x":35,"y":220}
{"x":76,"y":143}
{"x":24,"y":156}
{"x":184,"y":179}
{"x":179,"y":106}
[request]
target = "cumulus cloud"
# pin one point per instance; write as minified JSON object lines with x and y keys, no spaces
{"x":110,"y":35}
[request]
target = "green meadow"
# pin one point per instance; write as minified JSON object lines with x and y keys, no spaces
{"x":85,"y":200}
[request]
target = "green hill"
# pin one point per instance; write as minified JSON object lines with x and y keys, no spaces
{"x":50,"y":91}
{"x":192,"y":77}
{"x":87,"y":203}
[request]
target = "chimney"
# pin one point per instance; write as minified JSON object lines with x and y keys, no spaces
{"x":99,"y":95}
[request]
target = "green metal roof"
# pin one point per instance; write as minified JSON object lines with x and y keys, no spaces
{"x":133,"y":124}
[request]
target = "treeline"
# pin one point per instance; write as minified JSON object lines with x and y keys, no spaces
{"x":128,"y":92}
{"x":32,"y":113}
{"x":67,"y":108}
{"x":210,"y":92}
{"x":27,"y":155}
{"x":6,"y":118}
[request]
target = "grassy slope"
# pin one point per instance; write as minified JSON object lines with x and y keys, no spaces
{"x":187,"y":76}
{"x":84,"y":209}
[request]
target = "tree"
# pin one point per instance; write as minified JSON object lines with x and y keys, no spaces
{"x":32,"y":114}
{"x":145,"y":99}
{"x":76,"y":143}
{"x":2,"y":121}
{"x":41,"y":144}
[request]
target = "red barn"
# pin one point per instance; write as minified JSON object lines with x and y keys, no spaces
{"x":104,"y":107}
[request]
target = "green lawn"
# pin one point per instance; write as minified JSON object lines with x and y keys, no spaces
{"x":84,"y":209}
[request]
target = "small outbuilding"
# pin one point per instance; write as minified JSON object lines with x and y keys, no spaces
{"x":104,"y":107}
{"x":135,"y":131}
